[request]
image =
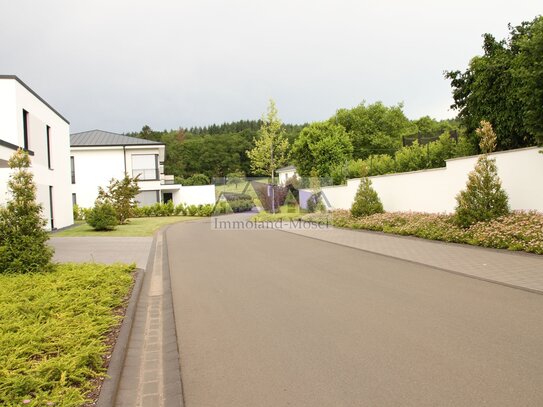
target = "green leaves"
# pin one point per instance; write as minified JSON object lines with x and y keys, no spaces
{"x":52,"y":331}
{"x":321,"y":146}
{"x":271,"y":147}
{"x":505,"y":87}
{"x":23,"y":239}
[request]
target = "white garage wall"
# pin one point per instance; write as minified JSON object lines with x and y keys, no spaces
{"x":435,"y":190}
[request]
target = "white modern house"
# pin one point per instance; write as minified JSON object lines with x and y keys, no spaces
{"x":286,"y":173}
{"x":27,"y":121}
{"x":98,"y":156}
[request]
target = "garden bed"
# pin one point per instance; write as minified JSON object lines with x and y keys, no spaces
{"x":519,"y":231}
{"x":57,"y":330}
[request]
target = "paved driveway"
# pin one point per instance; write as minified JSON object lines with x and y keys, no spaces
{"x":102,"y":249}
{"x":266,"y":318}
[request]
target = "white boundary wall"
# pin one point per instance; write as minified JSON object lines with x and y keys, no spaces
{"x":195,"y":195}
{"x":435,"y":190}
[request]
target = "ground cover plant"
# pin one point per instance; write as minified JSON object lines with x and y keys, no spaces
{"x":53,"y":331}
{"x":518,"y":230}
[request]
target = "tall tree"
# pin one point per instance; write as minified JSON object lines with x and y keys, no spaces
{"x":321,"y":147}
{"x":505,"y":87}
{"x":271,"y":147}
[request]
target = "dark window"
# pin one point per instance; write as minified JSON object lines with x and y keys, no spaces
{"x":72,"y":167}
{"x":25,"y":129}
{"x":74,"y":199}
{"x":51,"y":207}
{"x":48,"y":134}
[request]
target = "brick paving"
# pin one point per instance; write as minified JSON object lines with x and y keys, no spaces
{"x":519,"y":270}
{"x":150,"y":375}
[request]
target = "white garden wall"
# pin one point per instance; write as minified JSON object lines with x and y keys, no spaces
{"x":435,"y":190}
{"x":195,"y":195}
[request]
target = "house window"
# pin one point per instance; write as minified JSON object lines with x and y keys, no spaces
{"x":145,"y":167}
{"x":145,"y":198}
{"x":25,"y":129}
{"x":48,"y":134}
{"x":72,"y":168}
{"x":74,"y":199}
{"x":51,"y":207}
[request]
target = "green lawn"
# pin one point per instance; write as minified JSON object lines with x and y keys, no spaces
{"x":53,"y":328}
{"x":135,"y":228}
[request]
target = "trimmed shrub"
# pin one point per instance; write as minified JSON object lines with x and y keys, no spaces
{"x":103,"y":217}
{"x":366,"y":201}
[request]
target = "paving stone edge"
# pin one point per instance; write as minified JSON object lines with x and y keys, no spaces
{"x":487,"y":280}
{"x":110,"y":386}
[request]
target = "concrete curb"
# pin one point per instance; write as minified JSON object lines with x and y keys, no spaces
{"x":110,"y":386}
{"x":174,"y":391}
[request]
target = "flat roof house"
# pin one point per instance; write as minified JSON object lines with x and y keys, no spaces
{"x":97,"y":156}
{"x":27,"y":121}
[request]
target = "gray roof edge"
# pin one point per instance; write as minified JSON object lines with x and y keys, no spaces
{"x":28,"y":88}
{"x":287,"y":168}
{"x":142,"y":141}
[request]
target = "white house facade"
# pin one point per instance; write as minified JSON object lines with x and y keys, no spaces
{"x":98,"y":156}
{"x":286,"y":173}
{"x":29,"y":122}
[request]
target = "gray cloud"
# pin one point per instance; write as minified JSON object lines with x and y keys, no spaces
{"x":118,"y":65}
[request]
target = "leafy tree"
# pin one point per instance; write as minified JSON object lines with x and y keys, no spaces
{"x":321,"y":146}
{"x":121,"y":195}
{"x":374,"y":128}
{"x":484,"y":198}
{"x":505,"y":87}
{"x":271,"y":147}
{"x":23,"y":240}
{"x":366,"y":201}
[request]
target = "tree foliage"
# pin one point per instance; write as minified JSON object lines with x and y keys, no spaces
{"x":271,"y":147}
{"x":320,"y":147}
{"x":121,"y":195}
{"x":23,"y":240}
{"x":484,"y":198}
{"x":374,"y":128}
{"x":505,"y":87}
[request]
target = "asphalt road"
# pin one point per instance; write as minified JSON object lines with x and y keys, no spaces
{"x":268,"y":318}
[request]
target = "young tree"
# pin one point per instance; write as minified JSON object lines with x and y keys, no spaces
{"x":121,"y":194}
{"x":271,"y":147}
{"x":235,"y":178}
{"x":484,"y":198}
{"x":23,"y":239}
{"x":366,"y":201}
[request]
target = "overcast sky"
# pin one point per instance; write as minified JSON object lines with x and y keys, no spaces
{"x":119,"y":64}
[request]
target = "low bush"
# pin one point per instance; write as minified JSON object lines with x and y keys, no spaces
{"x":103,"y":217}
{"x":53,"y":331}
{"x":518,"y":230}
